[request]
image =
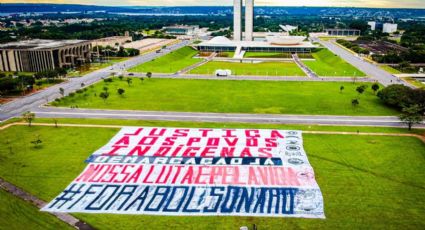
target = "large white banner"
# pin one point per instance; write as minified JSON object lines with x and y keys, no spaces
{"x":178,"y":171}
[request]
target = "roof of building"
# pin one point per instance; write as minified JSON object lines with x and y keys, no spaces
{"x":225,"y":42}
{"x":113,"y":38}
{"x":40,"y":44}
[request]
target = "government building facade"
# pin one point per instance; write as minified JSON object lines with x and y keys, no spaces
{"x":39,"y":55}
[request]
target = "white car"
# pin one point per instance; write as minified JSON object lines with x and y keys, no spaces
{"x":223,"y":72}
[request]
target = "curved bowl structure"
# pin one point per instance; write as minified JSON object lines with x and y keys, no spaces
{"x":285,"y":40}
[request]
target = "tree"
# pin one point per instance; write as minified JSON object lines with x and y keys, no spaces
{"x":120,"y":77}
{"x":355,"y":102}
{"x":149,"y":74}
{"x":341,"y":88}
{"x":375,"y":87}
{"x":104,"y":96}
{"x":142,"y":79}
{"x":400,"y":96}
{"x":361,"y":89}
{"x":62,"y":91}
{"x":120,"y":91}
{"x":28,"y":117}
{"x":129,"y":81}
{"x":105,"y":89}
{"x":411,"y":115}
{"x":37,"y":142}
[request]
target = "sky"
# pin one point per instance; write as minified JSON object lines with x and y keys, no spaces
{"x":338,"y":3}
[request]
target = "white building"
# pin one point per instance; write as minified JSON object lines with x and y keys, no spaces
{"x":249,"y":20}
{"x":389,"y":28}
{"x":384,"y":27}
{"x":288,"y":28}
{"x":237,"y":20}
{"x":282,"y":44}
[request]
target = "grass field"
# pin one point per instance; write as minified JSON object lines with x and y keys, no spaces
{"x":231,"y":97}
{"x":328,"y":64}
{"x":414,"y":82}
{"x":390,"y":69}
{"x":365,"y":181}
{"x":257,"y":69}
{"x":18,"y":214}
{"x":170,"y":63}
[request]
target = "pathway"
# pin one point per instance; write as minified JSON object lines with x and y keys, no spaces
{"x":255,"y":78}
{"x":196,"y":65}
{"x":303,"y":67}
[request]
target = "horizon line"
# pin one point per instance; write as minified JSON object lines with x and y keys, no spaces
{"x":82,"y":4}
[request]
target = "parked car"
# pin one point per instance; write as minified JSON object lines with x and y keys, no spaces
{"x":223,"y":72}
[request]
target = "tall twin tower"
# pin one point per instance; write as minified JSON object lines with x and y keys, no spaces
{"x":237,"y":20}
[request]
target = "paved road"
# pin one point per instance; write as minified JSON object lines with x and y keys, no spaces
{"x":47,"y":112}
{"x":254,"y":78}
{"x":371,"y":70}
{"x":29,"y":103}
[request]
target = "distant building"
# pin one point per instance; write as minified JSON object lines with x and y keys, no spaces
{"x":180,"y":30}
{"x":373,"y":25}
{"x":389,"y":28}
{"x":288,"y":28}
{"x":342,"y":32}
{"x":38,"y":55}
{"x":384,"y":27}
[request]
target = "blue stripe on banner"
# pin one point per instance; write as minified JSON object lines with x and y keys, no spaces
{"x":185,"y":160}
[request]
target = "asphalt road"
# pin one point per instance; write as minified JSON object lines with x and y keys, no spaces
{"x":371,"y":70}
{"x":29,"y":103}
{"x":255,"y":78}
{"x":387,"y":121}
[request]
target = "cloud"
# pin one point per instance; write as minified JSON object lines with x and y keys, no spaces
{"x":340,"y":3}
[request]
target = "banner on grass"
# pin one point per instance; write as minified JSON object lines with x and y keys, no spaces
{"x":177,"y":171}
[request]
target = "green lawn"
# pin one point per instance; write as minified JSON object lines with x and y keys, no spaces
{"x":328,"y":64}
{"x":19,"y":214}
{"x":231,"y":97}
{"x":414,"y":82}
{"x":365,"y":180}
{"x":257,"y":69}
{"x":390,"y":69}
{"x":169,"y":63}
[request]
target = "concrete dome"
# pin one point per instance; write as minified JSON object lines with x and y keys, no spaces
{"x":219,"y":40}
